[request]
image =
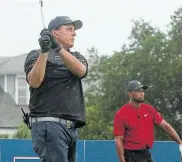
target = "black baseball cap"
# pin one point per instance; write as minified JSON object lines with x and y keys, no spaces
{"x":135,"y":85}
{"x":63,"y":20}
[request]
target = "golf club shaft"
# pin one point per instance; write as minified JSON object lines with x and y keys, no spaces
{"x":42,"y":16}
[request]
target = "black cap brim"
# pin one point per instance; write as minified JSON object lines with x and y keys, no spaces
{"x":144,"y":87}
{"x":77,"y":24}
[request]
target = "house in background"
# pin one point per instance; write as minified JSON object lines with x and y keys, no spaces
{"x":12,"y":79}
{"x":14,"y":93}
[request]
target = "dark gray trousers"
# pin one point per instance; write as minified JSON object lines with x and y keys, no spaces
{"x":54,"y":142}
{"x":138,"y":156}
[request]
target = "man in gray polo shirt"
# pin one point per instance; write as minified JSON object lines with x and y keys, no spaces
{"x":57,"y":106}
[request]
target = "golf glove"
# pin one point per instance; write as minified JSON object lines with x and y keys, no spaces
{"x":45,"y":43}
{"x":55,"y":45}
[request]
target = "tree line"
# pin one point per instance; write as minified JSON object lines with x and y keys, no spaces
{"x":154,"y":58}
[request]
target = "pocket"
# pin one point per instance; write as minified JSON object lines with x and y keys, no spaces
{"x":34,"y":141}
{"x":38,"y":134}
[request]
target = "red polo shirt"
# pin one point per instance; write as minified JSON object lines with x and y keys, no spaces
{"x":136,"y":125}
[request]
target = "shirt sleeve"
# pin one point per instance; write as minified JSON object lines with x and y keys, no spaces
{"x":157,"y":118}
{"x":30,"y":61}
{"x":118,"y":125}
{"x":83,"y":60}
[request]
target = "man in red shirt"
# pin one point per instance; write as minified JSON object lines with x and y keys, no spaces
{"x":134,"y":126}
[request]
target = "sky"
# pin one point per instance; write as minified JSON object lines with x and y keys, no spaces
{"x":106,"y":23}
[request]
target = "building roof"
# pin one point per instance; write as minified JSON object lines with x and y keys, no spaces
{"x":12,"y":65}
{"x":11,"y":114}
{"x":3,"y":59}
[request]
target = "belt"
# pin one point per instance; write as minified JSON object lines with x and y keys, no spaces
{"x":142,"y":150}
{"x":68,"y":123}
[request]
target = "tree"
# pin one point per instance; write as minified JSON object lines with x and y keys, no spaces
{"x":4,"y":136}
{"x":96,"y":128}
{"x":154,"y":58}
{"x":23,"y":132}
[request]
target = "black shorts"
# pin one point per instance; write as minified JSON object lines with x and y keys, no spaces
{"x":137,"y":156}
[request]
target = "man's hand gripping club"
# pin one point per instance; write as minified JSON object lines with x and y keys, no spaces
{"x":45,"y":43}
{"x":54,"y":44}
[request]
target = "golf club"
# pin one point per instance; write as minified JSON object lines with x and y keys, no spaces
{"x":41,"y":9}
